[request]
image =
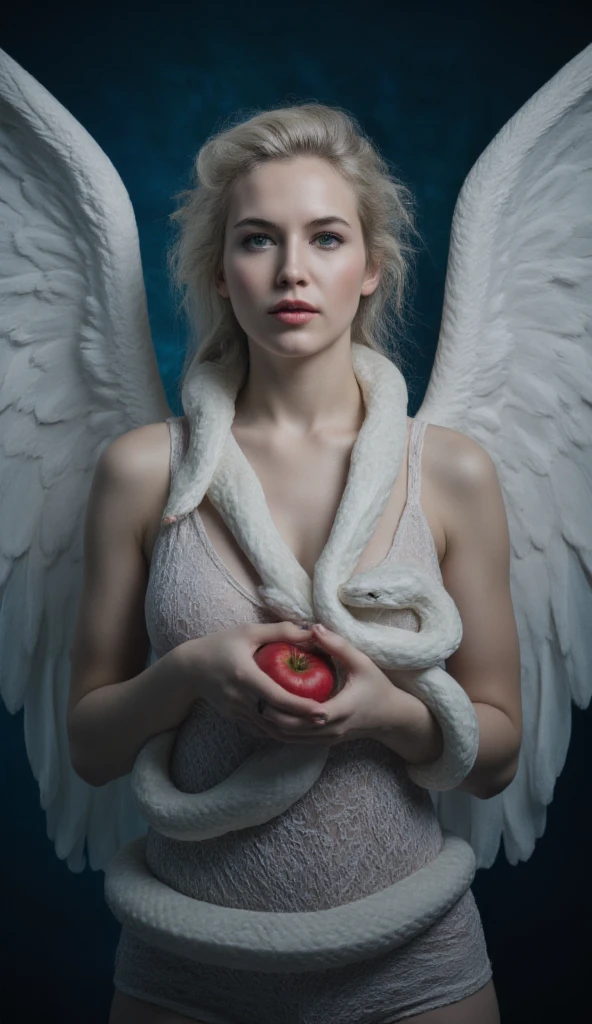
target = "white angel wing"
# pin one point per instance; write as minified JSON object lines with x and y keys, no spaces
{"x":77,"y":369}
{"x":513,"y":370}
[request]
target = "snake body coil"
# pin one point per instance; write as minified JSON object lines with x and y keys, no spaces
{"x":272,"y":779}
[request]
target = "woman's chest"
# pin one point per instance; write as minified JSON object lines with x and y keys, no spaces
{"x":303,"y":488}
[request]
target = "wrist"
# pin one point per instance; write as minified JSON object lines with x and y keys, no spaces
{"x":411,"y":730}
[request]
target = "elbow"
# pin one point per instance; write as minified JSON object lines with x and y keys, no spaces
{"x":76,"y":762}
{"x":79,"y":759}
{"x":500,"y":784}
{"x":96,"y":771}
{"x":83,"y":772}
{"x":498,"y":778}
{"x":97,"y":777}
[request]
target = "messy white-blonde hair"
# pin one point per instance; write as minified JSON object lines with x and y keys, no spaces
{"x":385,"y":208}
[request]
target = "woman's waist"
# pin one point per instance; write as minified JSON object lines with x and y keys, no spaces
{"x":361,"y":827}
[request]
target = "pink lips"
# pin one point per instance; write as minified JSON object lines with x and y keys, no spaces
{"x":294,"y":316}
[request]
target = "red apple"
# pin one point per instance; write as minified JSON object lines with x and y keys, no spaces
{"x":300,"y":672}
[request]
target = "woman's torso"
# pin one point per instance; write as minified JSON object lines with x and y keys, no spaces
{"x":361,"y":826}
{"x":364,"y":824}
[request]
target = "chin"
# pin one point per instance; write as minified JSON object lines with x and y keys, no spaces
{"x":289,"y":344}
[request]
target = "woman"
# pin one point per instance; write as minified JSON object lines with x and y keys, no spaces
{"x":296,"y":205}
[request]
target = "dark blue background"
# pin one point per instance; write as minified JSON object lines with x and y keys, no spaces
{"x":432,"y":83}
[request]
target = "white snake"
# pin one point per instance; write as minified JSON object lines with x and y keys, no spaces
{"x":272,"y":779}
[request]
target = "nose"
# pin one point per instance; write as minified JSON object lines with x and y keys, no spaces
{"x":292,"y":264}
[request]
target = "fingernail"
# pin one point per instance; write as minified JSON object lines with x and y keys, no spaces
{"x":320,"y":628}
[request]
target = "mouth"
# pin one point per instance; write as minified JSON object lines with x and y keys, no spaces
{"x":293,"y":306}
{"x":294,"y":316}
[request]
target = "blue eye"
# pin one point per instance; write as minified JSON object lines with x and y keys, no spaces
{"x":250,"y":238}
{"x":324,"y":234}
{"x":329,"y":234}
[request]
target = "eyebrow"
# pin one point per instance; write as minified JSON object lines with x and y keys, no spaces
{"x":260,"y":222}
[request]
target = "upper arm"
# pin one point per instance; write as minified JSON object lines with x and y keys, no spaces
{"x":111,"y":643}
{"x":476,"y":574}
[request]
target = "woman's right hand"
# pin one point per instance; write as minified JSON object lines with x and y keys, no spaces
{"x":221,"y":669}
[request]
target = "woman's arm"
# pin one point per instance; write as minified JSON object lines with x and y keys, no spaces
{"x":115,"y":704}
{"x":476,"y":574}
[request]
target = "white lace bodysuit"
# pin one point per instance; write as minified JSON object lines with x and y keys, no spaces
{"x":362,"y":826}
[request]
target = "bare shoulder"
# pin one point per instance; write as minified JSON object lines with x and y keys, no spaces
{"x":140,"y":455}
{"x":459,"y":473}
{"x":140,"y":459}
{"x":456,"y":460}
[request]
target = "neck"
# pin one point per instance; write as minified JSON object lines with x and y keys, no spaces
{"x":301,"y":395}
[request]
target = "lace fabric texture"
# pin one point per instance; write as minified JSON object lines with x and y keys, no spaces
{"x":361,"y":827}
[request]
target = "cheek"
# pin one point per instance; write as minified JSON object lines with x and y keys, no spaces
{"x":347,"y":284}
{"x":245,"y":280}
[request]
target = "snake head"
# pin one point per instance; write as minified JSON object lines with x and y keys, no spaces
{"x":365,"y":589}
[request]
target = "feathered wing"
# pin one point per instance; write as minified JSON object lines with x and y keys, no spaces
{"x":513,"y":370}
{"x":77,"y":369}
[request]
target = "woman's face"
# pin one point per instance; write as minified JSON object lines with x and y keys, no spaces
{"x":289,"y":258}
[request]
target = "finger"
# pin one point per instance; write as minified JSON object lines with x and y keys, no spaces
{"x":336,"y":645}
{"x":280,"y":698}
{"x":290,"y":723}
{"x":304,"y":734}
{"x":276,"y":696}
{"x":264,"y":632}
{"x":295,"y":633}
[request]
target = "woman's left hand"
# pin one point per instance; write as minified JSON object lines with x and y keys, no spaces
{"x":365,"y":703}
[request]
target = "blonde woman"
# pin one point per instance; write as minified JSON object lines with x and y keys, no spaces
{"x":295,"y":208}
{"x":303,"y":862}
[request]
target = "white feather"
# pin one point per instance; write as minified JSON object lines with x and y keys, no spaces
{"x":513,"y":370}
{"x":77,"y":369}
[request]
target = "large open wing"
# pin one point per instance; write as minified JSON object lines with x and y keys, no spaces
{"x":77,"y":369}
{"x":513,"y":370}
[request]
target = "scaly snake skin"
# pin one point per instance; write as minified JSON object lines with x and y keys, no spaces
{"x":273,"y":778}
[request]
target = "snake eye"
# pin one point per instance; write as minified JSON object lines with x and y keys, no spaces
{"x":372,"y":595}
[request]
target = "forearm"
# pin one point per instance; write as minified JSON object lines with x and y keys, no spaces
{"x":410,"y":730}
{"x":497,"y":757}
{"x":413,"y":733}
{"x":111,"y":724}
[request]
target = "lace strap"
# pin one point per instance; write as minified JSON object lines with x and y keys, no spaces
{"x":179,"y":431}
{"x":418,"y":430}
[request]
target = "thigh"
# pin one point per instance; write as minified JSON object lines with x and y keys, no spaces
{"x":129,"y":1010}
{"x":479,"y":1008}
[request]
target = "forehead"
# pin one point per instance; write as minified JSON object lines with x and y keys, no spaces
{"x":301,"y":186}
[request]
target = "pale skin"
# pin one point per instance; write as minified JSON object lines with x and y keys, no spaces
{"x":297,"y":420}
